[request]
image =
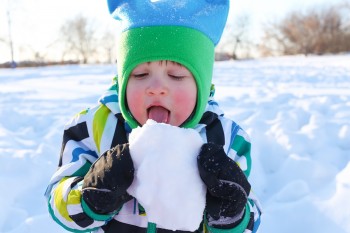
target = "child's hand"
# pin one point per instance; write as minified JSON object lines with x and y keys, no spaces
{"x":228,"y":187}
{"x":105,"y":184}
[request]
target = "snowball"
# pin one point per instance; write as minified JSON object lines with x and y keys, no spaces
{"x":167,"y":183}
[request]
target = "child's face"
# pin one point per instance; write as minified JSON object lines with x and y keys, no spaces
{"x":163,"y":91}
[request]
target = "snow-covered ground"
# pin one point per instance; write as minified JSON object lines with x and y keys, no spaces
{"x":296,"y":110}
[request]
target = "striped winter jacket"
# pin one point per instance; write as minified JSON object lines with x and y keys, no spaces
{"x":95,"y":130}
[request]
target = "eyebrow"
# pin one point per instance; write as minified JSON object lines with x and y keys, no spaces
{"x":166,"y":62}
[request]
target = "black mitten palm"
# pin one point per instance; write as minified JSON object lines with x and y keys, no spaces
{"x":227,"y":186}
{"x":105,"y":184}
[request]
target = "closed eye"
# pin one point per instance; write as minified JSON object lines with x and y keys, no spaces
{"x":177,"y":77}
{"x":141,"y":75}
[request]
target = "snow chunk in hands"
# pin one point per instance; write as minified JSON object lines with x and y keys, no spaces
{"x":167,"y":183}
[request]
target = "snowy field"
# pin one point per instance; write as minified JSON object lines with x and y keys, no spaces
{"x":296,"y":110}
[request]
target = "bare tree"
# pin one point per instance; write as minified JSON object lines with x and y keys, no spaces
{"x":10,"y":40}
{"x":78,"y":35}
{"x":108,"y":46}
{"x":346,"y":24}
{"x":315,"y":31}
{"x":236,"y":40}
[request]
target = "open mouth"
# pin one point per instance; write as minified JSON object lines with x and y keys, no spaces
{"x":158,"y":114}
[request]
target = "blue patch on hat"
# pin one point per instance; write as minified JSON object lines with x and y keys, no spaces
{"x":207,"y":16}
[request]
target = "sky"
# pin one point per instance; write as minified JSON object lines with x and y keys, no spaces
{"x":35,"y":23}
{"x":296,"y":111}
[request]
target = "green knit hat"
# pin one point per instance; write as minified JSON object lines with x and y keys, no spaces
{"x":166,"y":30}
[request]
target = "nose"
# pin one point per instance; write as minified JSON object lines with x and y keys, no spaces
{"x":157,"y":87}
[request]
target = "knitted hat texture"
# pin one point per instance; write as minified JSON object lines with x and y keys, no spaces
{"x":183,"y":31}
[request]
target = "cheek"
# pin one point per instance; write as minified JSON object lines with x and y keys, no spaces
{"x":186,"y":100}
{"x":134,"y":98}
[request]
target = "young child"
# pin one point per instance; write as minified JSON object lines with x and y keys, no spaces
{"x":165,"y":65}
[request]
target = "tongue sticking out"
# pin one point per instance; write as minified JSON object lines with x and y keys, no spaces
{"x":158,"y":114}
